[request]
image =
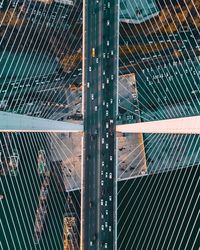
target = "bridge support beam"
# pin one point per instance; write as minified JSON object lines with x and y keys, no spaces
{"x":10,"y":122}
{"x":186,"y":125}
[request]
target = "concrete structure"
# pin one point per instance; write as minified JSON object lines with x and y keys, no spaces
{"x":186,"y":125}
{"x":21,"y":123}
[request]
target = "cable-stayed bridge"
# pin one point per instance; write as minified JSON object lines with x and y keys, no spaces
{"x":116,"y":102}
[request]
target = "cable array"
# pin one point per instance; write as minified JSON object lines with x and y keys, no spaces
{"x":35,"y":94}
{"x":150,"y":212}
{"x":33,"y":78}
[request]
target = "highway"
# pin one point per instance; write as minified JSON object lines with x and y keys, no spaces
{"x":100,"y":80}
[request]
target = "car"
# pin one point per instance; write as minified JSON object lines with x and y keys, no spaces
{"x":94,"y":237}
{"x":91,"y":204}
{"x":92,"y":97}
{"x":93,"y":52}
{"x":102,"y":243}
{"x":92,"y":137}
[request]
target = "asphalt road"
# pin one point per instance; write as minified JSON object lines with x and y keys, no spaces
{"x":100,"y":112}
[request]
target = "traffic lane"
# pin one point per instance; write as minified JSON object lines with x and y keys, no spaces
{"x":96,"y":161}
{"x":89,"y":176}
{"x":93,"y":149}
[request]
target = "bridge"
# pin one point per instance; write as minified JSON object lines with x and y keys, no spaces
{"x":83,"y":98}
